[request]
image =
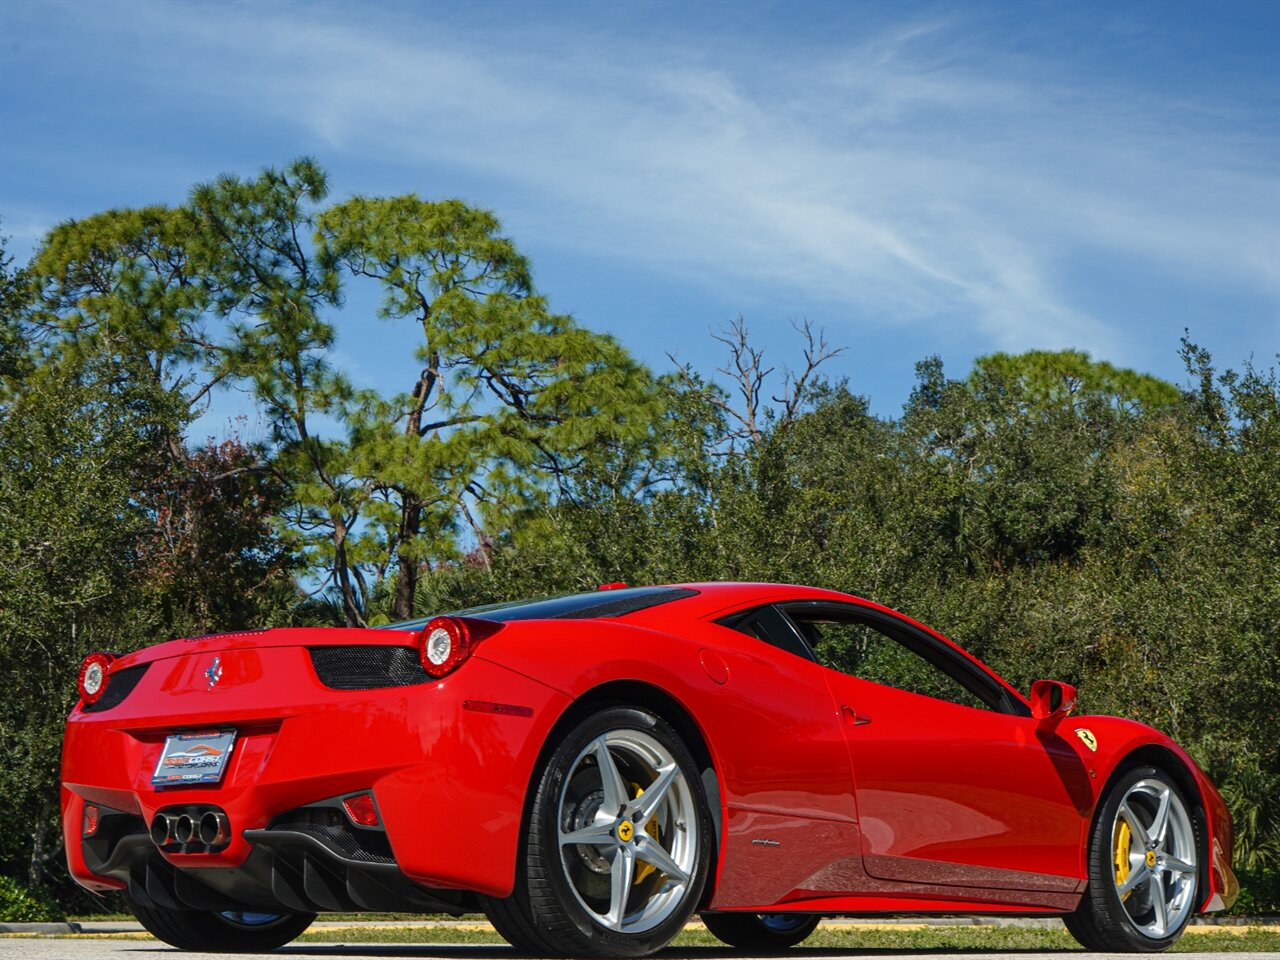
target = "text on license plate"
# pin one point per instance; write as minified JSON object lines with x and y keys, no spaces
{"x":198,"y":756}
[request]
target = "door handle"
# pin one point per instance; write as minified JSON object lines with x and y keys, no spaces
{"x":852,"y":717}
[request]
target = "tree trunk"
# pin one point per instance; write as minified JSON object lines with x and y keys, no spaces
{"x":39,"y":852}
{"x":406,"y":562}
{"x":350,"y":609}
{"x":410,"y":502}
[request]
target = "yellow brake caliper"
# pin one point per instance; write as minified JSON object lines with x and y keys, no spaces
{"x":644,"y":868}
{"x":1121,"y":857}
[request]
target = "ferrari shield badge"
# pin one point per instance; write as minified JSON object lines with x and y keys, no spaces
{"x":1087,"y":738}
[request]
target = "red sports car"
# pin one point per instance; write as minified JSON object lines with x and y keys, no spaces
{"x":590,"y":770}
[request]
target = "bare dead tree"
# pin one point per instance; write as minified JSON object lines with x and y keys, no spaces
{"x":816,"y":352}
{"x":746,"y":374}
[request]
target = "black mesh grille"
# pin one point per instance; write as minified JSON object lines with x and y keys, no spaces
{"x":368,"y":667}
{"x":119,"y":685}
{"x":330,"y":827}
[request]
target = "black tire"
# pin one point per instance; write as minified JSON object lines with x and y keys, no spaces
{"x":1101,"y":922}
{"x":514,"y":926}
{"x":545,"y":914}
{"x":763,"y":932}
{"x":218,"y":933}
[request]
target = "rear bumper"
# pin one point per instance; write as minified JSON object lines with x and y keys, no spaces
{"x":286,"y":871}
{"x":449,"y":783}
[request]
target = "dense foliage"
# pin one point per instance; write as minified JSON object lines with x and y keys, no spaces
{"x":1055,"y":514}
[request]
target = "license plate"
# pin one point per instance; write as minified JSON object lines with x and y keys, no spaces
{"x":196,"y":757}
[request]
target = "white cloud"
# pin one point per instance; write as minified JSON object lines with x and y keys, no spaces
{"x":912,"y":176}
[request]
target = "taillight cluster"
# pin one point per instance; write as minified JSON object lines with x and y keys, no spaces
{"x":92,"y":681}
{"x":446,"y":642}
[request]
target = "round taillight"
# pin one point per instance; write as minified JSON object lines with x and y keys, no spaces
{"x":445,"y":643}
{"x":93,"y":676}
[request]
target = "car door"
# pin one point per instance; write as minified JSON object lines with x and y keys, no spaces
{"x":791,"y":811}
{"x":956,"y":785}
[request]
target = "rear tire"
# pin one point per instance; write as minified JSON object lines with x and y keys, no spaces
{"x":761,"y":931}
{"x":617,"y":848}
{"x":221,"y":933}
{"x":513,"y":926}
{"x":1143,"y":861}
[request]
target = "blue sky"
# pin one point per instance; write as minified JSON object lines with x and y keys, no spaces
{"x":917,"y":178}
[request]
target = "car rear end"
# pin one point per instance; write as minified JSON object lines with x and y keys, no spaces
{"x":298,"y":770}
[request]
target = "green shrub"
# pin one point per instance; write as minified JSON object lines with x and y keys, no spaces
{"x":20,"y":905}
{"x":1259,"y":893}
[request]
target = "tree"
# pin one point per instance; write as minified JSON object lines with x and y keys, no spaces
{"x":215,"y":558}
{"x":122,"y":284}
{"x":76,"y":443}
{"x":252,"y":247}
{"x":1012,"y":452}
{"x":15,"y":300}
{"x":512,"y":399}
{"x":744,"y":404}
{"x":1046,"y":378}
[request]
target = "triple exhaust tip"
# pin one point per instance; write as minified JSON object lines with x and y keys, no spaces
{"x":212,"y":829}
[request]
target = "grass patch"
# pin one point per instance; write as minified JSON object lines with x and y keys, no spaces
{"x":974,"y":939}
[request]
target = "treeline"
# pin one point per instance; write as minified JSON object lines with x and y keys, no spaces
{"x":1058,"y":516}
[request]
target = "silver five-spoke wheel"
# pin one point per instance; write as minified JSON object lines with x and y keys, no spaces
{"x":1144,"y":854}
{"x":618,"y":844}
{"x":1154,"y":855}
{"x":628,"y":831}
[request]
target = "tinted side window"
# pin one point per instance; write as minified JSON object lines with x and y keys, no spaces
{"x":770,"y":625}
{"x":862,"y":651}
{"x":876,"y":647}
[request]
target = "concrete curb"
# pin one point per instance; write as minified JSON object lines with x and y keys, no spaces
{"x":70,"y":927}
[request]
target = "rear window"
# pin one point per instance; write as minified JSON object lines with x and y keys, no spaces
{"x":598,"y":604}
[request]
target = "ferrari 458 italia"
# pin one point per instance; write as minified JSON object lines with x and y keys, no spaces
{"x":591,"y":770}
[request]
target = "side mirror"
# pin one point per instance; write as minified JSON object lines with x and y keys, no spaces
{"x":1052,"y":700}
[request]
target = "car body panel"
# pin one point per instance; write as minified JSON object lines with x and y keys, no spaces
{"x":930,"y":807}
{"x":953,"y":795}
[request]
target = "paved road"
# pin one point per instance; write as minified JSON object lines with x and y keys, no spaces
{"x":72,"y":949}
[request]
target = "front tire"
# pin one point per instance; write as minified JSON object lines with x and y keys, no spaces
{"x":763,"y":932}
{"x":231,"y":932}
{"x":617,"y":848}
{"x":1143,"y":867}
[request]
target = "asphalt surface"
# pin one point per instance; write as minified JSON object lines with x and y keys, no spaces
{"x":99,"y":944}
{"x":66,"y":949}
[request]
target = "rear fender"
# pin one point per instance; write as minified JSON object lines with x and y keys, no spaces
{"x":637,"y":666}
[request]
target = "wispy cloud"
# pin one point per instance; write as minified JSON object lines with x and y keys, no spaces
{"x":912,"y":175}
